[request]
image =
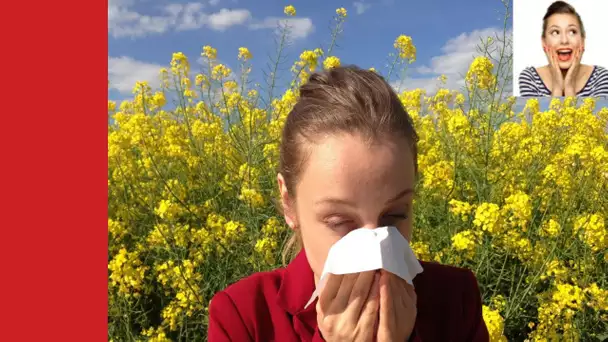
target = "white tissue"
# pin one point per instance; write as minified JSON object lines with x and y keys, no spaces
{"x":367,"y":249}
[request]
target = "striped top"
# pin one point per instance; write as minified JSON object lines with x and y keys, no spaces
{"x":531,"y":85}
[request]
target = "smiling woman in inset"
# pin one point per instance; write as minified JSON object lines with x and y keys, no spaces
{"x":563,"y":41}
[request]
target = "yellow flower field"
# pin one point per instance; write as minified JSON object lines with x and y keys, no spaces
{"x":521,"y":198}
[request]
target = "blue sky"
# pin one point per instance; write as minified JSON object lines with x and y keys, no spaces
{"x":143,"y":34}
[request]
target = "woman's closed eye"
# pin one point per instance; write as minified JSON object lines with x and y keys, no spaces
{"x":393,"y":219}
{"x":337,"y":221}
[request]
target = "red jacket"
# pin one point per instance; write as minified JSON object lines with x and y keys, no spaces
{"x":269,"y":306}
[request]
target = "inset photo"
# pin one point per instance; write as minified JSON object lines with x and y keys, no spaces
{"x":560,"y":48}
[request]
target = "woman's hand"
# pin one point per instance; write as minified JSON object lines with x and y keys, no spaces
{"x":347,"y":309}
{"x":557,"y":78}
{"x":397,"y":308}
{"x":571,"y":75}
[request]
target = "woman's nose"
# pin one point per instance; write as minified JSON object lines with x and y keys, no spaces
{"x":371,"y":225}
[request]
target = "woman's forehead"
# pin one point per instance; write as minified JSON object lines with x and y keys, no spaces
{"x":337,"y":163}
{"x":562,"y":20}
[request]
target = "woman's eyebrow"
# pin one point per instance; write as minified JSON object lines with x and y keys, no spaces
{"x":557,"y":27}
{"x":334,"y":200}
{"x":345,"y":202}
{"x":401,"y":195}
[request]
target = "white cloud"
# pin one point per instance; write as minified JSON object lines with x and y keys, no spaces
{"x":361,"y":7}
{"x":124,"y":21}
{"x":430,"y":85}
{"x":458,"y":53}
{"x":192,"y":16}
{"x":299,"y":27}
{"x":124,"y":72}
{"x":225,"y":18}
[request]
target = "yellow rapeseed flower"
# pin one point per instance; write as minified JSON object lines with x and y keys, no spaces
{"x":598,"y":297}
{"x":127,"y":273}
{"x":495,"y":324}
{"x":405,"y":48}
{"x":550,"y":228}
{"x":220,"y":72}
{"x":267,"y":248}
{"x":252,"y":197}
{"x":422,"y":251}
{"x":331,"y":62}
{"x":209,"y":52}
{"x":341,"y":12}
{"x":518,"y":209}
{"x":244,"y":53}
{"x":480,"y":74}
{"x":310,"y":58}
{"x":487,"y":217}
{"x":460,"y":209}
{"x":290,"y":10}
{"x":200,"y":79}
{"x":591,"y":230}
{"x":459,"y":99}
{"x":533,"y":106}
{"x":179,"y":64}
{"x":465,"y":242}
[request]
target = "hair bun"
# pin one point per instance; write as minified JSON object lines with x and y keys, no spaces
{"x":335,"y":78}
{"x":321,"y":78}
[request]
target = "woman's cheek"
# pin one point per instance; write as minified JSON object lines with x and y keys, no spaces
{"x":406,"y":227}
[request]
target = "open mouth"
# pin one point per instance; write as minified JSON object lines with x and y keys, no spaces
{"x":564,"y":55}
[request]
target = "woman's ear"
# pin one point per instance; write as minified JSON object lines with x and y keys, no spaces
{"x":286,"y":202}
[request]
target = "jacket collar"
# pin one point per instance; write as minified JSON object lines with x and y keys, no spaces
{"x":297,"y":285}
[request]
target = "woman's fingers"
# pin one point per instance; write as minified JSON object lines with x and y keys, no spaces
{"x":409,"y":297}
{"x":332,"y":285}
{"x":359,"y":294}
{"x":340,"y":301}
{"x":386,"y":302}
{"x":368,"y":320}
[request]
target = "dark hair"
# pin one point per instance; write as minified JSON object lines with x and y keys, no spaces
{"x":562,"y":7}
{"x":345,"y":99}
